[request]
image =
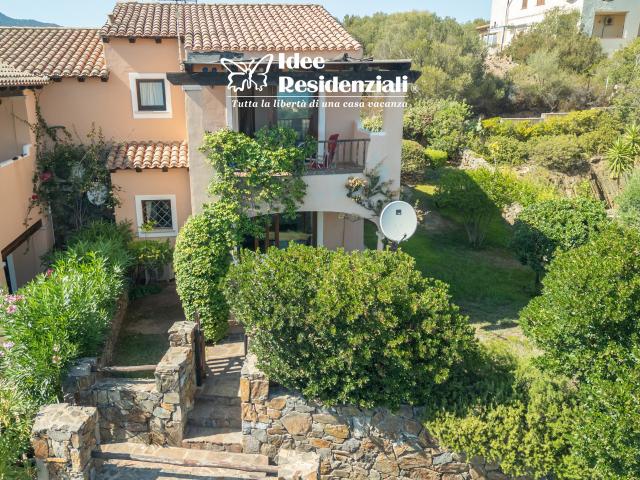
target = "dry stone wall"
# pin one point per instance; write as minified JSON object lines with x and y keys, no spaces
{"x":351,"y":442}
{"x":142,"y":410}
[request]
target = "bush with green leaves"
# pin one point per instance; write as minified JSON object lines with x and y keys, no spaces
{"x":589,"y":302}
{"x":201,"y":260}
{"x":545,"y":227}
{"x":57,"y":318}
{"x":629,"y":202}
{"x":608,"y":439}
{"x":506,"y":150}
{"x":437,"y":158}
{"x":253,"y":177}
{"x":413,"y":160}
{"x":586,"y":323}
{"x":362,"y":328}
{"x":476,"y":195}
{"x":561,"y":153}
{"x":372,"y":123}
{"x":438,"y":124}
{"x":16,"y":413}
{"x":525,"y":423}
{"x":51,"y":321}
{"x":559,"y":33}
{"x":150,"y":256}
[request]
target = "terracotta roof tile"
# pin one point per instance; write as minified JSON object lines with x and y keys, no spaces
{"x":13,"y":77}
{"x":141,"y":155}
{"x":55,"y":52}
{"x":258,"y":27}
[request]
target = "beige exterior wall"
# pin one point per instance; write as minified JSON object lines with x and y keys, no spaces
{"x":130,"y":183}
{"x":14,"y":131}
{"x":342,"y":231}
{"x":77,"y":105}
{"x":16,"y":188}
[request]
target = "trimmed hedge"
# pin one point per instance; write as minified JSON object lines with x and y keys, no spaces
{"x":201,"y":259}
{"x":362,"y":328}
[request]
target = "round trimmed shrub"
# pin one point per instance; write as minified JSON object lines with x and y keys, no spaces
{"x":201,"y":259}
{"x":413,"y":159}
{"x":507,"y":150}
{"x":559,"y":224}
{"x":560,"y":152}
{"x":437,"y":158}
{"x":362,"y":328}
{"x":590,"y":302}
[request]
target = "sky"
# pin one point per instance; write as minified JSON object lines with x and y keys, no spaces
{"x":92,"y":13}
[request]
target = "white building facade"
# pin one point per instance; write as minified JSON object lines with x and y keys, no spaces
{"x":615,"y":22}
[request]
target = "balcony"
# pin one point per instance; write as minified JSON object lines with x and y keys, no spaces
{"x":338,"y":156}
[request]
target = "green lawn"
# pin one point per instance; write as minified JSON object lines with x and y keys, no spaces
{"x":489,"y":284}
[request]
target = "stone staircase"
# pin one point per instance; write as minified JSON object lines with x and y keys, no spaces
{"x":215,"y":422}
{"x":170,"y":463}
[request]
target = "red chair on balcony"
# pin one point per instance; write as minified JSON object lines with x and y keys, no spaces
{"x":330,"y":151}
{"x":331,"y":146}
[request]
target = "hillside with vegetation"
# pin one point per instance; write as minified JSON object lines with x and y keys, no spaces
{"x":6,"y":21}
{"x":533,"y":224}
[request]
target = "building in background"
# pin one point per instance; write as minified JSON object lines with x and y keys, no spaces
{"x":152,"y":79}
{"x":615,"y":22}
{"x":24,"y":235}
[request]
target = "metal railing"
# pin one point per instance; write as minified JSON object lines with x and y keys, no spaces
{"x":337,"y":155}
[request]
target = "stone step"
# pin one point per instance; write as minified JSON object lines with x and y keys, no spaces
{"x":155,"y":469}
{"x":214,"y":439}
{"x":221,"y":386}
{"x":218,"y":399}
{"x":211,"y":414}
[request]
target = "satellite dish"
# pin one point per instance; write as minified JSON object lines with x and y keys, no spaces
{"x":398,"y":221}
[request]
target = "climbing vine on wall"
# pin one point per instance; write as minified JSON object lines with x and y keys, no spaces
{"x":253,"y":177}
{"x":370,"y":192}
{"x":71,"y":179}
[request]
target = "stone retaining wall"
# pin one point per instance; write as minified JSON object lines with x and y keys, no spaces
{"x":140,"y":410}
{"x":351,"y":442}
{"x":65,"y":436}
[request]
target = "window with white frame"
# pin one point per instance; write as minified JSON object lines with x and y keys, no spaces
{"x":156,"y":215}
{"x":150,"y":95}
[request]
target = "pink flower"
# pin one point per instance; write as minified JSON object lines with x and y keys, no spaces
{"x":14,"y":298}
{"x":34,"y":197}
{"x":11,"y":309}
{"x":46,"y":176}
{"x":48,"y":272}
{"x":8,"y":345}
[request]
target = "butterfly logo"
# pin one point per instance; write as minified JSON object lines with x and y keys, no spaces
{"x":242,"y":75}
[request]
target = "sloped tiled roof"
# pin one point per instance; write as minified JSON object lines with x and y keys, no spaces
{"x":225,"y":27}
{"x":54,"y":52}
{"x":141,"y":155}
{"x":13,"y":77}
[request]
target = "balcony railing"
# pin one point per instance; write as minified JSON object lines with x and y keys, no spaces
{"x":339,"y":156}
